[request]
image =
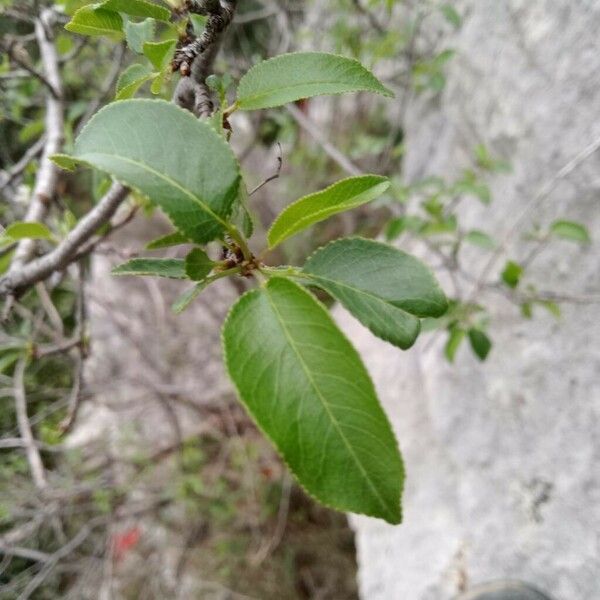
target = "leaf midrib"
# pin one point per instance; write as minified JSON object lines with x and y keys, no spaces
{"x":359,"y":291}
{"x":166,"y":178}
{"x":298,"y":85}
{"x":299,"y":225}
{"x":307,"y":372}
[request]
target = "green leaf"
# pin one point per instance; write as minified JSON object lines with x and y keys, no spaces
{"x":131,"y":79}
{"x":166,"y":241}
{"x":89,"y":20}
{"x":291,"y":77}
{"x":552,"y":307}
{"x":395,"y":228}
{"x":137,"y":34}
{"x":176,"y":160}
{"x":136,"y":8}
{"x":188,"y":297}
{"x":572,"y":231}
{"x":469,"y":184}
{"x":486,"y":161}
{"x":480,"y":343}
{"x":65,"y":162}
{"x":242,"y":217}
{"x":159,"y":53}
{"x":173,"y":268}
{"x":307,"y":389}
{"x":451,"y":15}
{"x":198,"y":265}
{"x":481,"y":239}
{"x":386,"y":289}
{"x":455,"y":339}
{"x":22,"y":230}
{"x":343,"y":195}
{"x":159,"y":81}
{"x":512,"y":274}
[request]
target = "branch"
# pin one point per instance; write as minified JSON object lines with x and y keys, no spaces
{"x":7,"y":177}
{"x":31,"y":450}
{"x":19,"y":279}
{"x":21,"y":275}
{"x":198,"y":56}
{"x":370,"y":16}
{"x":26,"y":553}
{"x":219,"y":18}
{"x":537,"y":200}
{"x":53,"y":559}
{"x":271,"y":177}
{"x":107,"y":87}
{"x":47,"y":174}
{"x":314,"y":130}
{"x":21,"y":58}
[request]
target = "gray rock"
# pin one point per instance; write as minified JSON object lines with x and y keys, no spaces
{"x":502,"y":457}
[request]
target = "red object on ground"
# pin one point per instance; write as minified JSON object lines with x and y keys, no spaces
{"x":123,"y":542}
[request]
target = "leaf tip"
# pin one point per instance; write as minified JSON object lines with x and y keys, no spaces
{"x":64,"y":161}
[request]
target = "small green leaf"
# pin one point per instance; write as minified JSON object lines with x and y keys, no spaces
{"x":131,"y":79}
{"x":22,"y":230}
{"x":198,"y":265}
{"x":480,"y":343}
{"x":470,"y":185}
{"x":173,"y":268}
{"x":384,"y":288}
{"x":395,"y":228}
{"x":136,"y":8}
{"x":486,"y":161}
{"x":343,"y":195}
{"x":307,"y":389}
{"x":527,"y":310}
{"x":65,"y":162}
{"x":481,"y":239}
{"x":166,"y":241}
{"x":137,"y":34}
{"x":551,"y":307}
{"x":159,"y":53}
{"x":457,"y":335}
{"x":160,"y":79}
{"x":90,"y":20}
{"x":133,"y":140}
{"x":572,"y":231}
{"x":512,"y":274}
{"x":291,"y":77}
{"x":188,"y":297}
{"x":451,"y":15}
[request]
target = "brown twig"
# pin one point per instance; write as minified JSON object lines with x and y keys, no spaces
{"x":272,"y":177}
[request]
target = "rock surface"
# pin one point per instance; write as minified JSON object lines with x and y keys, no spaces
{"x":502,"y":457}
